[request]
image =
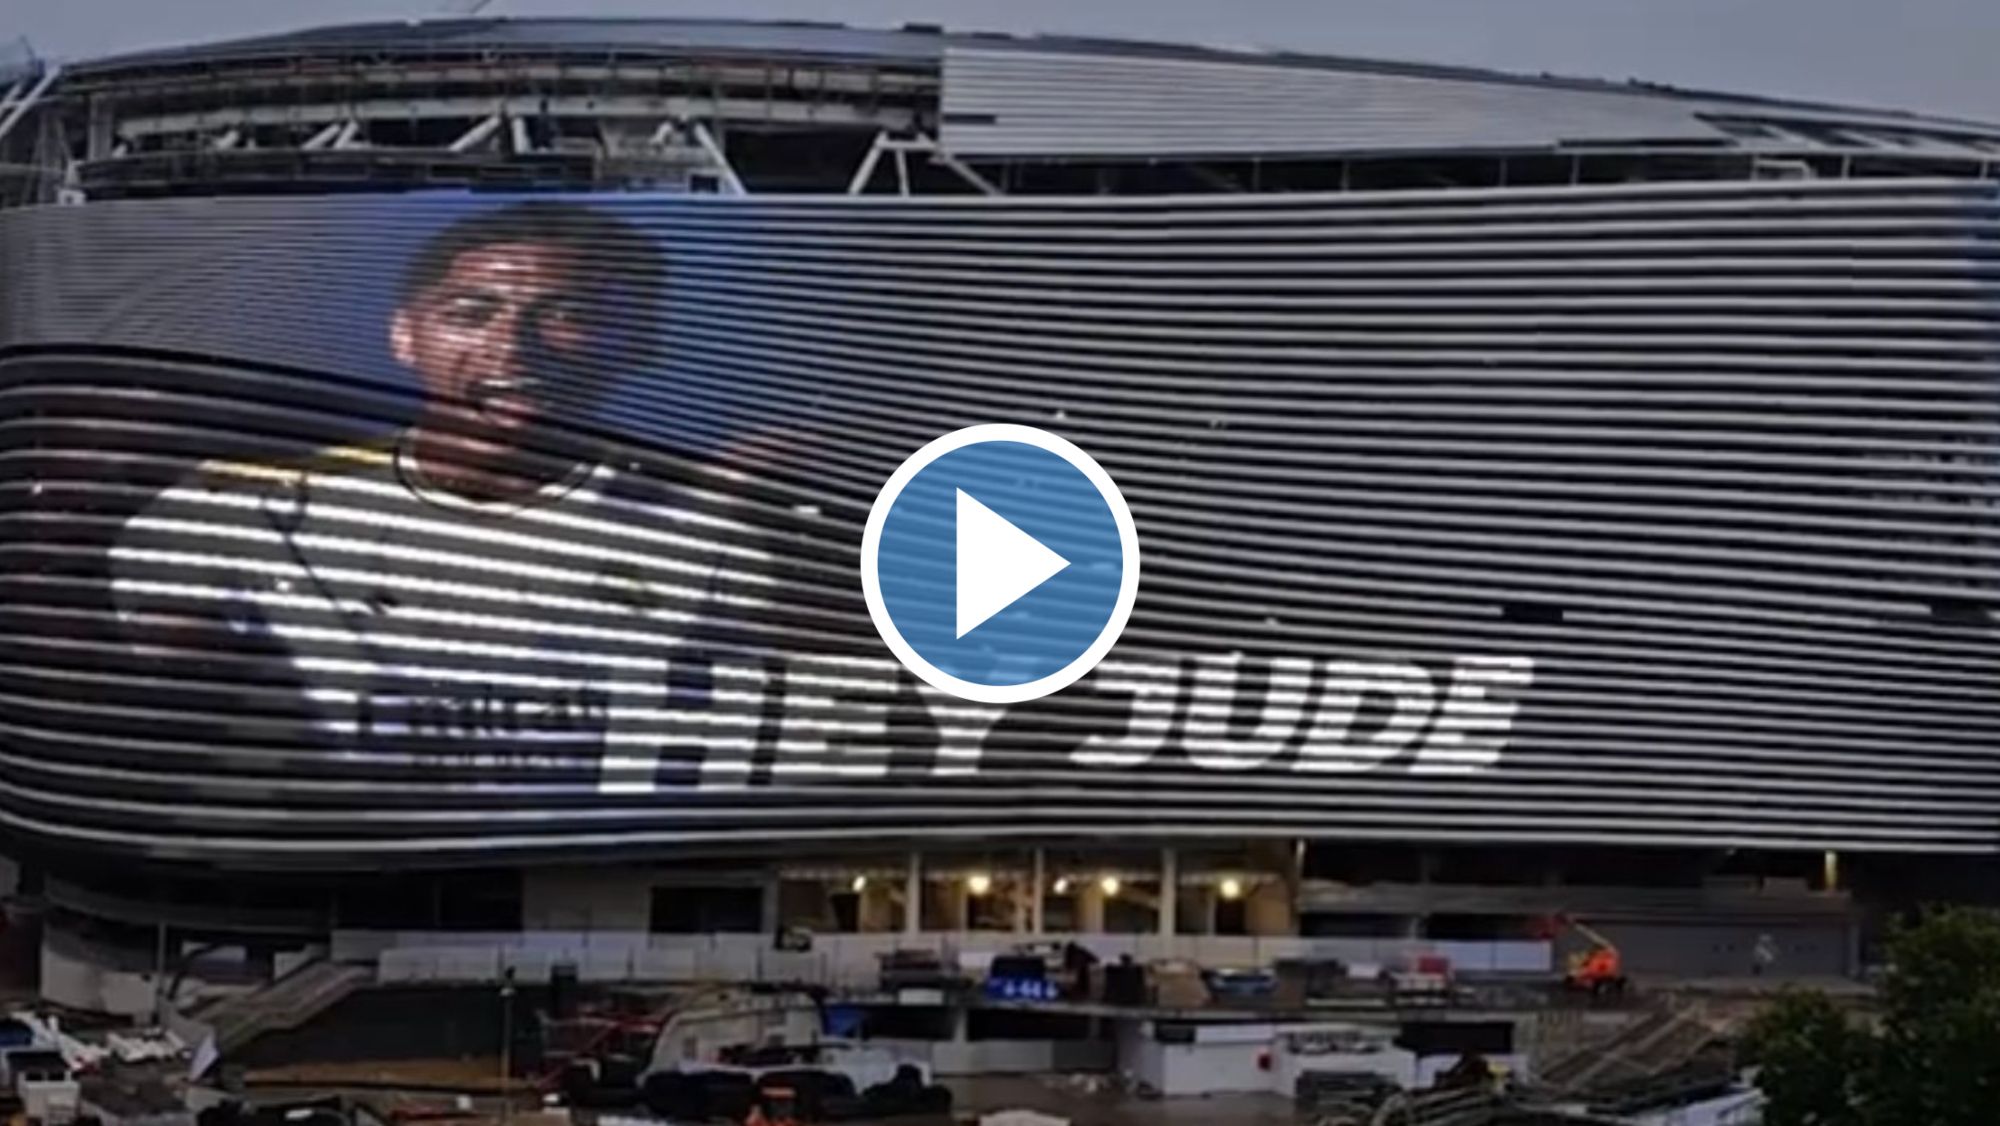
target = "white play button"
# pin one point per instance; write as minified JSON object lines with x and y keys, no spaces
{"x":977,"y":606}
{"x":997,"y":563}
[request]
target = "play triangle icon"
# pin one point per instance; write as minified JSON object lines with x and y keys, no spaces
{"x":997,"y":563}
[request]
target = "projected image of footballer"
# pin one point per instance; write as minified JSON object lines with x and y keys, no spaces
{"x":487,"y":587}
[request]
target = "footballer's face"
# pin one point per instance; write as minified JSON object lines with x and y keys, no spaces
{"x":491,"y":340}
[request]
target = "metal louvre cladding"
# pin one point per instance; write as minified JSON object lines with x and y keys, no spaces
{"x":1015,"y":101}
{"x":460,"y":528}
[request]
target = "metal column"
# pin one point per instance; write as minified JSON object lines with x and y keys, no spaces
{"x":1038,"y":901}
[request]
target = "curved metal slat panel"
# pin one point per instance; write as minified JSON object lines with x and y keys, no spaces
{"x":1070,"y":103}
{"x":1657,"y":514}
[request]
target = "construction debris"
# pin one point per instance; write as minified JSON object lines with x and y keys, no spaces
{"x":145,"y":1045}
{"x":126,"y":1102}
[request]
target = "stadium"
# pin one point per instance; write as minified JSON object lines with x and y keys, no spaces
{"x":1561,"y":499}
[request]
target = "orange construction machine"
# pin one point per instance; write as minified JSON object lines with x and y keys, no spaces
{"x":1598,"y":971}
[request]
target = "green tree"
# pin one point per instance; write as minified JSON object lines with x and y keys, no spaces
{"x":1938,"y":1050}
{"x":1811,"y":1062}
{"x":1933,"y":1057}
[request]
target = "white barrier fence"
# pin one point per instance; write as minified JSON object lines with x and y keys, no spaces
{"x":851,"y":961}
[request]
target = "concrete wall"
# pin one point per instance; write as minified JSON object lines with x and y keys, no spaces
{"x":1009,"y":1057}
{"x":1089,"y":908}
{"x":71,"y":980}
{"x":586,"y":899}
{"x":1816,"y":949}
{"x":1268,"y":910}
{"x":880,"y":909}
{"x":804,"y":904}
{"x":107,"y":978}
{"x":845,"y":960}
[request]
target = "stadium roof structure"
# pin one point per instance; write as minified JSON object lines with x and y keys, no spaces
{"x":485,"y":38}
{"x":912,"y":43}
{"x":734,"y":105}
{"x":909,"y":43}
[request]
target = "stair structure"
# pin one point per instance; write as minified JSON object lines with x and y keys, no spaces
{"x":1664,"y":1041}
{"x":288,"y":1002}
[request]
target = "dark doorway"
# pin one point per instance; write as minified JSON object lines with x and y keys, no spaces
{"x":708,"y":910}
{"x":1231,"y":918}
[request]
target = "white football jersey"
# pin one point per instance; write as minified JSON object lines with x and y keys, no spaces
{"x":422,"y":627}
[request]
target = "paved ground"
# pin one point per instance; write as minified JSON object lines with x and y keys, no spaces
{"x":1049,"y":1095}
{"x":1753,"y":987}
{"x":1108,"y":1108}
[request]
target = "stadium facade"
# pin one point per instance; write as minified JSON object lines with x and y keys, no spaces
{"x":1556,"y":496}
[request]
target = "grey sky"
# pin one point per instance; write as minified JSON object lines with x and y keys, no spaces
{"x":1935,"y":55}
